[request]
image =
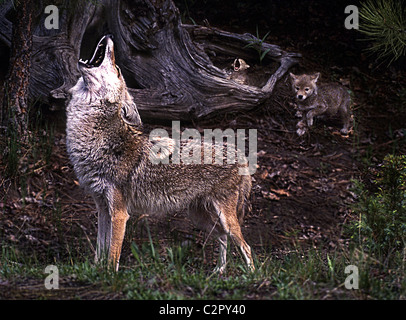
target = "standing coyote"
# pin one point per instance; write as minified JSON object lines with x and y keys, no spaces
{"x":112,"y":159}
{"x":318,"y":100}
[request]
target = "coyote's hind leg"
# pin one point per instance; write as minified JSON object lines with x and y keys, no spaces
{"x":222,"y":260}
{"x":230,"y":225}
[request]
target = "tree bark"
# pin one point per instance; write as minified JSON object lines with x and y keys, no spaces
{"x":164,"y":62}
{"x":15,"y":96}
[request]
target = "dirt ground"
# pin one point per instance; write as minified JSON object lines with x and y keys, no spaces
{"x":302,"y":186}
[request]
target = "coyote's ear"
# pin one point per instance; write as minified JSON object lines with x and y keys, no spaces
{"x":315,"y":77}
{"x":130,"y":114}
{"x":292,"y":76}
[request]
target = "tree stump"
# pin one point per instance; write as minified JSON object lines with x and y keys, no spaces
{"x":165,"y":63}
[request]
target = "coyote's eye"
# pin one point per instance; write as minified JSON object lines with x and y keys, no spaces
{"x":307,"y":89}
{"x":297,"y":88}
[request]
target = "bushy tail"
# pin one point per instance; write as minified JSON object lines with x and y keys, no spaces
{"x":244,"y":204}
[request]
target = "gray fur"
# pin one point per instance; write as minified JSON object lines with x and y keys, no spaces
{"x":317,"y":100}
{"x":111,"y":158}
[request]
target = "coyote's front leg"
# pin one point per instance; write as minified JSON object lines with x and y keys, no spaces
{"x":112,"y":219}
{"x":119,"y":217}
{"x":314,"y":112}
{"x":103,"y":228}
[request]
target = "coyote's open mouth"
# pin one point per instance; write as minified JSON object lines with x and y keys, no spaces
{"x":237,"y":64}
{"x":98,"y":55}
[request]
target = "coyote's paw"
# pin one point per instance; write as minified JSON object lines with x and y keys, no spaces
{"x":300,"y":132}
{"x":301,"y":125}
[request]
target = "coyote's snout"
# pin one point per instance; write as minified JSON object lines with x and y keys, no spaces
{"x":111,"y":158}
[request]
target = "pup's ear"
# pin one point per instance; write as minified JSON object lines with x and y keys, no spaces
{"x":129,"y":112}
{"x":315,"y":77}
{"x":292,"y":76}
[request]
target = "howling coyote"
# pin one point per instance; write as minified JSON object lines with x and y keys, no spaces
{"x":111,"y":157}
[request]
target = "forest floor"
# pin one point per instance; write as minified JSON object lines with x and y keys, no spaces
{"x":302,"y":189}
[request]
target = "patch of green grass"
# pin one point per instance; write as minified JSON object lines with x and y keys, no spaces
{"x":378,"y":231}
{"x":298,"y":275}
{"x":172,"y":273}
{"x":381,"y":225}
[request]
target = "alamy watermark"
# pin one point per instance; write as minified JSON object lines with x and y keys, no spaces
{"x":52,"y":280}
{"x":352,"y":281}
{"x":189,"y":147}
{"x":52,"y":21}
{"x":352,"y":21}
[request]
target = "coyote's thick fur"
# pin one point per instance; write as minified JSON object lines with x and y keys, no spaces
{"x":111,"y":158}
{"x":317,"y":100}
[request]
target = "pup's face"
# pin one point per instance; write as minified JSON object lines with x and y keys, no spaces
{"x":304,"y":85}
{"x":239,"y":65}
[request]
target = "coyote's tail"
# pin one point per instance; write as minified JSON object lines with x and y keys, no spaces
{"x":244,"y":203}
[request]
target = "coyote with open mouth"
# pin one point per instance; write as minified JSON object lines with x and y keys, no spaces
{"x":111,"y":157}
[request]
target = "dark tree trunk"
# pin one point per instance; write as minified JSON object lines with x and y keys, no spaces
{"x":15,"y":96}
{"x":165,"y":63}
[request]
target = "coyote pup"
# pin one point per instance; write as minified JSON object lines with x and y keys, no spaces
{"x":239,"y":71}
{"x":321,"y":99}
{"x":111,"y":158}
